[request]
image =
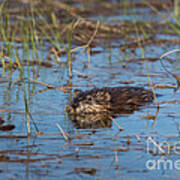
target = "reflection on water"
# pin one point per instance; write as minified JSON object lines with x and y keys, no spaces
{"x":98,"y":120}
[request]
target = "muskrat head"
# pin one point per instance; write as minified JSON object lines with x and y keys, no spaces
{"x":93,"y":101}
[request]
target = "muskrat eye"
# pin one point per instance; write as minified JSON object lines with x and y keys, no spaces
{"x":89,"y":98}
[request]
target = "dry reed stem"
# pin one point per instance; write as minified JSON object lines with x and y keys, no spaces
{"x":16,"y":136}
{"x":121,"y":129}
{"x":63,"y":133}
{"x":163,"y":86}
{"x":48,"y":85}
{"x":171,"y":102}
{"x":116,"y":160}
{"x":156,"y":145}
{"x":79,"y":74}
{"x":89,"y":42}
{"x":83,"y":22}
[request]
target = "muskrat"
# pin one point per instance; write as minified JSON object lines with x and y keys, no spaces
{"x":109,"y":99}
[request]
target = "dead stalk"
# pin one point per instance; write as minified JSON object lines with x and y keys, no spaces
{"x":117,"y":124}
{"x":155,"y":144}
{"x":63,"y":133}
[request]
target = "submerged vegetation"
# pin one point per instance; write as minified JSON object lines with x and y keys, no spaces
{"x":64,"y":37}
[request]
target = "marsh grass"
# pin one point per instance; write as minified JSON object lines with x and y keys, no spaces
{"x":173,"y":27}
{"x":62,"y":27}
{"x":176,"y":11}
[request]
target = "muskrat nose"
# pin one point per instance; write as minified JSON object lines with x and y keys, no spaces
{"x":69,"y":109}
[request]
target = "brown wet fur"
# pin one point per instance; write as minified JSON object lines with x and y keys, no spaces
{"x":109,"y":99}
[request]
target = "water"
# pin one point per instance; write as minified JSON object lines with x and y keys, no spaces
{"x":103,"y":153}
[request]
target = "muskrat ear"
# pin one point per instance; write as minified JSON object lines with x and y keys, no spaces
{"x":76,"y":92}
{"x":103,"y":96}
